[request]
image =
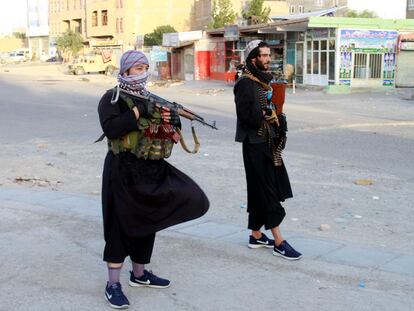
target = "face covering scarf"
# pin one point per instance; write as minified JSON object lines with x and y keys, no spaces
{"x":134,"y":83}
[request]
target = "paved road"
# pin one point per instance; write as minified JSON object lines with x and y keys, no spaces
{"x":50,"y":230}
{"x":51,"y":244}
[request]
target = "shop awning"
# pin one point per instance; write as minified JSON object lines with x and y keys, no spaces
{"x":326,"y":12}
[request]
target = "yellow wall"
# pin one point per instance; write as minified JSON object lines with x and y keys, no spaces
{"x":138,"y":17}
{"x":202,"y":12}
{"x":11,"y":44}
{"x":277,"y":8}
{"x":176,"y":13}
{"x":62,"y":14}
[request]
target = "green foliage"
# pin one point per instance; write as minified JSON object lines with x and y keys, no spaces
{"x":155,"y":37}
{"x":222,"y":14}
{"x":19,"y":35}
{"x":364,"y":14}
{"x":255,"y":8}
{"x":70,"y":42}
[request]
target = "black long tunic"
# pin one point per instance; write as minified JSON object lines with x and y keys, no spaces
{"x":267,"y":185}
{"x":145,"y":195}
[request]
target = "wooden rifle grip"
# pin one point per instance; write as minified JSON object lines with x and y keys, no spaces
{"x":185,"y":114}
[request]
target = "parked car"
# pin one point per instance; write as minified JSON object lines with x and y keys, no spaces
{"x":54,"y":59}
{"x":16,"y":57}
{"x":4,"y":56}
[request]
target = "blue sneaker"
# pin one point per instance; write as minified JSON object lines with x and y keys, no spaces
{"x":115,"y":296}
{"x":264,"y":241}
{"x":148,"y":279}
{"x":286,"y":251}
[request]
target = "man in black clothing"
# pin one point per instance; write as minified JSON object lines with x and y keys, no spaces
{"x":263,"y":135}
{"x":141,"y":192}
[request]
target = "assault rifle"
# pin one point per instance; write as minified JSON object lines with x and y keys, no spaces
{"x":182,"y":111}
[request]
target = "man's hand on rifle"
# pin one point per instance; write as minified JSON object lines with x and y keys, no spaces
{"x":169,"y":115}
{"x":270,"y":116}
{"x":142,"y":108}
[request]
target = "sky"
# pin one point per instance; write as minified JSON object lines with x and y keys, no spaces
{"x":383,"y":8}
{"x":13,"y":14}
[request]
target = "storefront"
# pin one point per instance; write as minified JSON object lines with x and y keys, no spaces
{"x":319,"y":49}
{"x":322,"y":51}
{"x":404,"y":76}
{"x":367,"y":58}
{"x":230,"y":42}
{"x":183,"y":59}
{"x":349,"y":51}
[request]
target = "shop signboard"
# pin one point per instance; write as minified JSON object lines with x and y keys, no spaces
{"x":157,"y":55}
{"x":37,"y":18}
{"x":368,"y":41}
{"x":407,"y":46}
{"x":363,"y":41}
{"x":231,"y":33}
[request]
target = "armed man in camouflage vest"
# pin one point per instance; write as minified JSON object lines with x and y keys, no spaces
{"x":141,"y":192}
{"x":263,"y":135}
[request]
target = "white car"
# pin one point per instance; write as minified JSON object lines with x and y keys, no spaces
{"x":16,"y":57}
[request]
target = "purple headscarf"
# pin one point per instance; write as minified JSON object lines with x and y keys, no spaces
{"x":131,"y":58}
{"x":133,"y":83}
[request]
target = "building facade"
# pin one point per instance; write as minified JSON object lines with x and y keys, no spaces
{"x":410,"y":9}
{"x":326,"y":51}
{"x":202,"y":11}
{"x":38,"y":29}
{"x":305,"y":6}
{"x":118,"y":22}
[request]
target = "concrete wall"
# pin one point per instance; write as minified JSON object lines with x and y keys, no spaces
{"x":10,"y":44}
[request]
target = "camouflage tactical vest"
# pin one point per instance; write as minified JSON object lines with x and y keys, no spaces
{"x":153,"y":140}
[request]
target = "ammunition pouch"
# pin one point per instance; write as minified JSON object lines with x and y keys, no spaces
{"x":153,"y":140}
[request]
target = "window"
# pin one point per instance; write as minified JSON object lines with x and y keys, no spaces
{"x":292,"y":9}
{"x":320,"y":58}
{"x":119,"y":3}
{"x":360,"y":66}
{"x":323,"y":63}
{"x":411,"y":5}
{"x":94,"y":18}
{"x":375,"y":62}
{"x":104,"y":16}
{"x":315,"y":62}
{"x":119,"y":25}
{"x":301,"y":9}
{"x":309,"y":57}
{"x":331,"y":66}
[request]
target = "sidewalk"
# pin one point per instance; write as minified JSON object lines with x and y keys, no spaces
{"x":51,"y":244}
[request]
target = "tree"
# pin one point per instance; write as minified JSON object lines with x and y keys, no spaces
{"x":222,"y":14}
{"x":364,"y":14}
{"x":19,"y":35}
{"x":155,"y":37}
{"x":256,"y":9}
{"x":70,"y":43}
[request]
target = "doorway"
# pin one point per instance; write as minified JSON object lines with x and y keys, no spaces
{"x":367,"y":69}
{"x":299,"y":62}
